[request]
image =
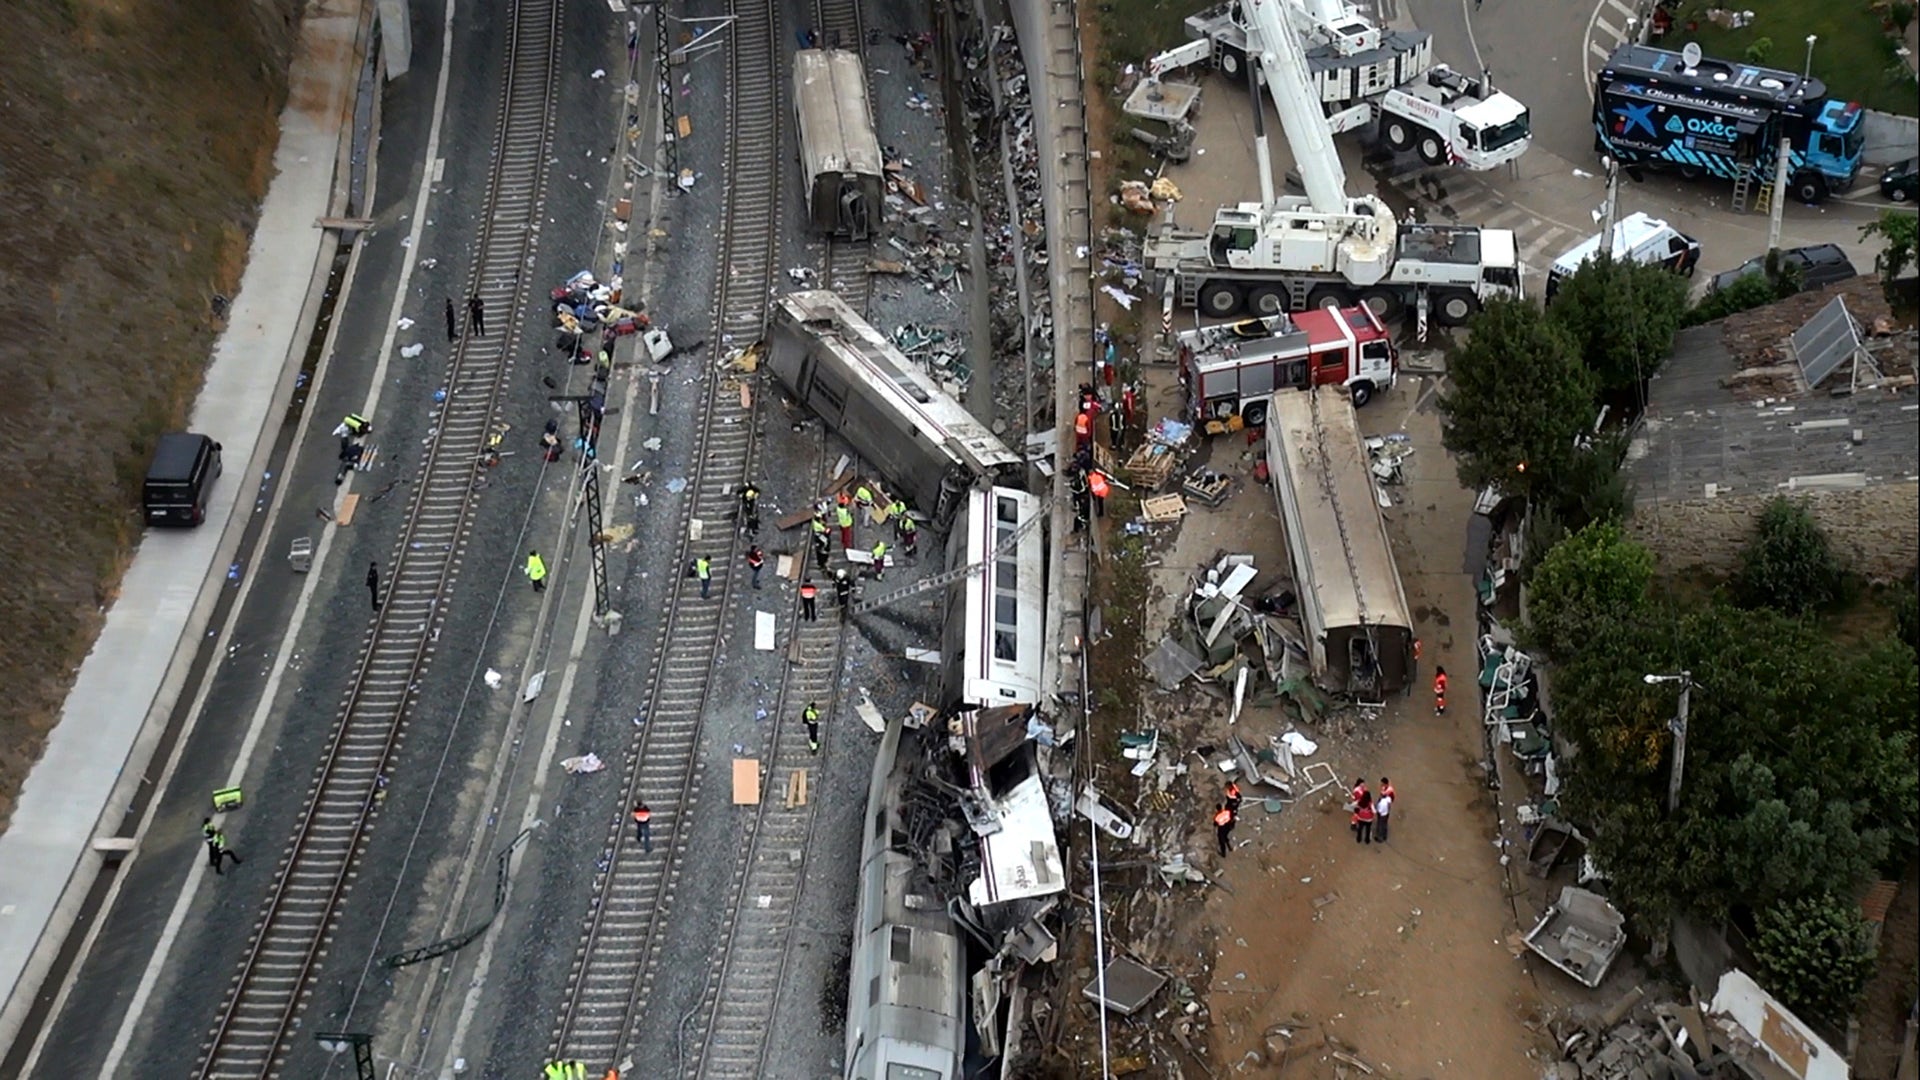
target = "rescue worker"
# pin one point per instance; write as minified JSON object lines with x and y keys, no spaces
{"x":756,"y":559}
{"x":809,"y":601}
{"x":1382,"y":810}
{"x":1097,"y":485}
{"x":842,"y":591}
{"x":897,"y":509}
{"x":537,"y":571}
{"x":1363,"y":820}
{"x":879,"y":560}
{"x":477,"y":322}
{"x":643,"y":826}
{"x":909,"y":532}
{"x":1082,"y":497}
{"x":821,"y":552}
{"x":843,"y":516}
{"x":354,"y":426}
{"x":750,"y":508}
{"x":217,"y":850}
{"x":1233,"y":796}
{"x":703,"y":569}
{"x":1359,"y":789}
{"x":1439,"y":691}
{"x":863,"y":498}
{"x":1223,"y":819}
{"x":1082,"y":430}
{"x":811,"y":717}
{"x":564,"y":1070}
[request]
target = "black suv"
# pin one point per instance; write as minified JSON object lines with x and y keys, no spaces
{"x":1819,"y":266}
{"x":1901,"y":182}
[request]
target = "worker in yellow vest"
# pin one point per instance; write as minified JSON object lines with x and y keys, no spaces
{"x":537,"y":571}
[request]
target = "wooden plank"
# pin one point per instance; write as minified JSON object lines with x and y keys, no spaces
{"x":794,"y":520}
{"x":796,"y":788}
{"x":746,"y":781}
{"x":684,"y":124}
{"x":347,"y":224}
{"x":746,"y":396}
{"x":348,"y":506}
{"x":783,"y":566}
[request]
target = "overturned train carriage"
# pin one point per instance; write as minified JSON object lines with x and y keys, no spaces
{"x":997,"y":613}
{"x":929,"y":448}
{"x":840,"y":162}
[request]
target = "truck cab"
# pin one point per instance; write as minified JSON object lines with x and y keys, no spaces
{"x":1832,"y":154}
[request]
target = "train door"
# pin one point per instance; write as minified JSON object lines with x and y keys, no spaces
{"x":854,"y":219}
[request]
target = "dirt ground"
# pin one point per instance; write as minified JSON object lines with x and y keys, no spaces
{"x":136,"y":139}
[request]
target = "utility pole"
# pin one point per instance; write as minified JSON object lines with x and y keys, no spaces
{"x":1677,"y":725}
{"x":593,"y":409}
{"x":1776,"y":207}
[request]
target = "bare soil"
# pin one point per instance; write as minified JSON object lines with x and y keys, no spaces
{"x":136,"y":140}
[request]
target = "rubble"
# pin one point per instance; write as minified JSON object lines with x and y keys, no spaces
{"x":1580,"y":934}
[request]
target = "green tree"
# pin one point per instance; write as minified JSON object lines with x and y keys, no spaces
{"x":1788,"y":565}
{"x":1900,"y":232}
{"x":1517,"y":398}
{"x":1590,"y":584}
{"x":1906,"y":612}
{"x":1815,"y":954}
{"x":1801,"y":776}
{"x":1593,"y":487}
{"x":1745,"y":294}
{"x":1622,"y":317}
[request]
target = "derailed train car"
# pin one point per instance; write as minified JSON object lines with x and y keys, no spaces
{"x":840,"y":162}
{"x":996,"y":616}
{"x":927,"y":446}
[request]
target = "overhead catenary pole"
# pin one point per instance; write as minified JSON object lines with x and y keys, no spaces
{"x":1776,"y":206}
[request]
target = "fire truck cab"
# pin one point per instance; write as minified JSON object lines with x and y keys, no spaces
{"x":1232,"y":369}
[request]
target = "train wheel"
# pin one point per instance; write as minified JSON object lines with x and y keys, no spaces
{"x":1397,"y":132}
{"x":1220,"y":298}
{"x":1254,"y":412}
{"x":1329,"y":298}
{"x":1268,"y":300}
{"x":1453,"y":307}
{"x":1385,"y":303}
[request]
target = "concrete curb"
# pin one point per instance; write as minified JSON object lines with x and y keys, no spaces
{"x":29,"y":939}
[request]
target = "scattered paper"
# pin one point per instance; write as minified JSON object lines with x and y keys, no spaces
{"x":585,"y":763}
{"x":493,"y":679}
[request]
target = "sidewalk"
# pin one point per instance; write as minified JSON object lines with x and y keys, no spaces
{"x":100,"y":753}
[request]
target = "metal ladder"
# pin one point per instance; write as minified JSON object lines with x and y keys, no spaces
{"x":951,"y":576}
{"x":1744,"y":193}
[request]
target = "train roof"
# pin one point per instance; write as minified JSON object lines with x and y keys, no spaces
{"x":895,"y":381}
{"x":1714,"y":80}
{"x":1312,"y":435}
{"x":836,"y":122}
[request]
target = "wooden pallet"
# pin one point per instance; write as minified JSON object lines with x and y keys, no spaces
{"x":1158,"y":508}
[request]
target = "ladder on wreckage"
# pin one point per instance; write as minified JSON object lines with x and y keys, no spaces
{"x":958,"y":573}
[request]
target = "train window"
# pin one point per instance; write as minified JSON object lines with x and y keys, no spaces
{"x":879,"y":823}
{"x":912,"y":389}
{"x":873,"y":993}
{"x":1004,"y":646}
{"x":1006,"y":611}
{"x":1006,"y":510}
{"x":1006,"y":574}
{"x":900,"y":945}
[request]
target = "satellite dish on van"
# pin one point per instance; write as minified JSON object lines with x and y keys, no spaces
{"x":1771,"y":83}
{"x":1690,"y":54}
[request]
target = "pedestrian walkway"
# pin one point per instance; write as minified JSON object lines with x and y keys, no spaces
{"x":1449,"y":195}
{"x":101,"y":749}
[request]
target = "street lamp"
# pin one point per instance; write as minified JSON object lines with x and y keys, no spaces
{"x":1678,"y":725}
{"x":1808,"y":73}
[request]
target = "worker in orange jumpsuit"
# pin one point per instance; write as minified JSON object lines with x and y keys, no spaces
{"x":1439,"y":691}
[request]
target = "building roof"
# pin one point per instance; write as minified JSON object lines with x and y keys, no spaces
{"x":1705,"y":434}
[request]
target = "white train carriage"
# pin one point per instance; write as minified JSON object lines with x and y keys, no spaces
{"x":997,"y":615}
{"x":906,"y":991}
{"x":840,"y":161}
{"x":927,"y":446}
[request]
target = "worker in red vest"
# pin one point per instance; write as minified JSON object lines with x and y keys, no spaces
{"x":1097,"y":483}
{"x":1223,"y":827}
{"x":643,"y":826}
{"x":1082,"y":430}
{"x":809,"y":601}
{"x":1439,"y":691}
{"x":1363,"y":820}
{"x":1233,"y":796}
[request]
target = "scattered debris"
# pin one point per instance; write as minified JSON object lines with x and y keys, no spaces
{"x":585,"y":763}
{"x":1580,"y":934}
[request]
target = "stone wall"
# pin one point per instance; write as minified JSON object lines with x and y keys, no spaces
{"x":1875,"y":529}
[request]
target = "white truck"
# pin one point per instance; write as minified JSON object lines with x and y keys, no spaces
{"x":1325,"y":249}
{"x":1359,"y":74}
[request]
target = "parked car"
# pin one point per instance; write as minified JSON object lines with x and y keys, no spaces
{"x":1901,"y":182}
{"x":1820,"y":265}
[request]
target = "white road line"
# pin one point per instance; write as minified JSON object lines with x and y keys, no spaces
{"x":1611,"y":31}
{"x":1624,"y":9}
{"x":178,"y":916}
{"x":1594,"y":48}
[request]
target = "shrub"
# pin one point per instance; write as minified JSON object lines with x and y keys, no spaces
{"x":1814,"y":954}
{"x":1788,"y":565}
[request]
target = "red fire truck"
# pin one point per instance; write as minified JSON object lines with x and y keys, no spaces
{"x":1233,"y":368}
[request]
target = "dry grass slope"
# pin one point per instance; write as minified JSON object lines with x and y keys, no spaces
{"x":136,"y":139}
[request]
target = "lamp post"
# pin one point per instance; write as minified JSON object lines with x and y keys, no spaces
{"x":1808,"y":72}
{"x":1678,"y":725}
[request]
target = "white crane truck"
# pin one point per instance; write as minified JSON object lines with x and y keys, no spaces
{"x":1326,"y":249}
{"x":1359,"y":74}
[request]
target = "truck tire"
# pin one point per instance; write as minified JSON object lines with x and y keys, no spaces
{"x":1220,"y":298}
{"x":1361,"y":393}
{"x":1453,"y":307}
{"x":1329,"y":298}
{"x":1432,"y":148}
{"x":1233,"y":62}
{"x":1396,"y":132}
{"x":1386,"y":303}
{"x":1254,"y":412}
{"x":1809,"y":188}
{"x":1263,"y":300}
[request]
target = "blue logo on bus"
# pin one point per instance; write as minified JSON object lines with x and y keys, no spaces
{"x":1633,"y":116}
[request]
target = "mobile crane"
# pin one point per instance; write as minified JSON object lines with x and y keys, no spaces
{"x":1360,"y":74}
{"x":1326,"y":249}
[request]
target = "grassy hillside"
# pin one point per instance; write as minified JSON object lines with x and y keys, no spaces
{"x":136,"y":140}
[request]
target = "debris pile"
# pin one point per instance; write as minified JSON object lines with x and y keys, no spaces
{"x":1718,"y":1040}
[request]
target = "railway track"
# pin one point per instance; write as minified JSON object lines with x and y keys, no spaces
{"x":252,"y":1034}
{"x":617,"y":962}
{"x":730,"y":1026}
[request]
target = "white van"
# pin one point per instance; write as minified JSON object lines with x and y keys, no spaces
{"x":1636,"y":237}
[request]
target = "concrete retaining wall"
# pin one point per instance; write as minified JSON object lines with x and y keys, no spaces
{"x":1875,"y":529}
{"x":1890,"y":138}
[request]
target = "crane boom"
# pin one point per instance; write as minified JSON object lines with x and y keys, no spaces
{"x":1283,"y":63}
